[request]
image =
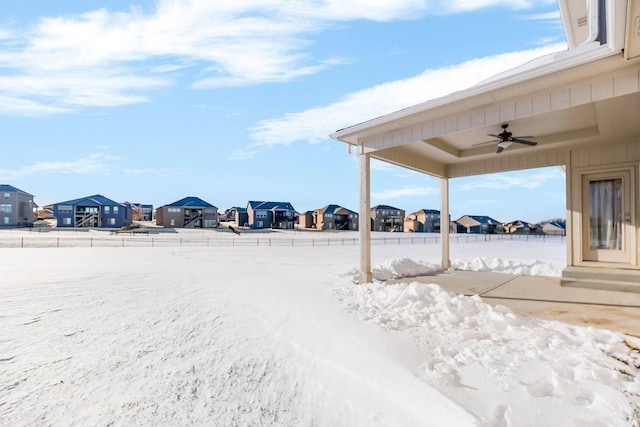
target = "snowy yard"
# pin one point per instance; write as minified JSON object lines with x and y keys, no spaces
{"x":281,"y":336}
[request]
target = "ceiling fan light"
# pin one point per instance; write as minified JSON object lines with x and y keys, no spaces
{"x":505,"y":144}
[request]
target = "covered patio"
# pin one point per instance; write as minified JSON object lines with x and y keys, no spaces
{"x":577,"y":109}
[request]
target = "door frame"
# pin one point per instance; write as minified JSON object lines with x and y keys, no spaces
{"x":583,"y":257}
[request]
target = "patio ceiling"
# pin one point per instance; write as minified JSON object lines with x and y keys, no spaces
{"x":591,"y":102}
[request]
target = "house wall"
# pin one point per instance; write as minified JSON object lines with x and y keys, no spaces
{"x":67,"y":219}
{"x":241,"y":219}
{"x":21,"y":209}
{"x":601,"y":157}
{"x":305,"y":220}
{"x":164,"y":217}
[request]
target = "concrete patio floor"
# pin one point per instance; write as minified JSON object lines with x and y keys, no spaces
{"x":545,"y":298}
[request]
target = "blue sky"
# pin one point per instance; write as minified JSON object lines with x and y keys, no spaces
{"x":153,"y":100}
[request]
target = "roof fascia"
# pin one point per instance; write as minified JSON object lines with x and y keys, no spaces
{"x":562,"y":61}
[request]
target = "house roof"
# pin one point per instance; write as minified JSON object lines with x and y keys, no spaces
{"x":5,"y":188}
{"x":191,"y":202}
{"x":284,"y":206}
{"x":385,"y":207}
{"x":334,"y":209}
{"x":518,"y":223}
{"x":95,"y":200}
{"x":427,"y":211}
{"x":554,"y":225}
{"x":482,"y":219}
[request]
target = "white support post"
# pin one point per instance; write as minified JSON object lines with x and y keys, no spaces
{"x":364,"y":224}
{"x":444,"y":222}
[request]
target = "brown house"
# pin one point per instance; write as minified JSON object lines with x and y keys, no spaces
{"x":520,"y":227}
{"x":330,"y":217}
{"x":190,"y":212}
{"x":423,"y":221}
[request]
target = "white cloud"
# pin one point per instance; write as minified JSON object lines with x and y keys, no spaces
{"x":243,"y":154}
{"x":314,"y":125}
{"x":526,"y":179}
{"x":96,"y":163}
{"x":396,"y":193}
{"x":98,"y":58}
{"x":469,"y":5}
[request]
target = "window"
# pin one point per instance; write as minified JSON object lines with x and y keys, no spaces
{"x":209,"y":223}
{"x":173,"y":222}
{"x":328,"y":215}
{"x":261,"y":214}
{"x":65,"y":208}
{"x":6,"y":220}
{"x":5,"y":208}
{"x":115,"y":210}
{"x":209,"y":211}
{"x":173,"y":210}
{"x":7,"y":195}
{"x":66,"y":221}
{"x":112,"y":221}
{"x":106,"y":210}
{"x":259,"y":224}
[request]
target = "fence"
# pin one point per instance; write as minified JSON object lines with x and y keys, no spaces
{"x":70,"y":241}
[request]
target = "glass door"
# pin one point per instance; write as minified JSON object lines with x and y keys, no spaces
{"x":607,"y":234}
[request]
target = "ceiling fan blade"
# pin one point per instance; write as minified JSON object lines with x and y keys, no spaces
{"x":494,"y":135}
{"x":500,"y":149}
{"x":524,"y":141}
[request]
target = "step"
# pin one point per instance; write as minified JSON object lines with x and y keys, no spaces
{"x":612,"y":279}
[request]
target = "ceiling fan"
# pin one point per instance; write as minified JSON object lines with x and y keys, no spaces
{"x":506,"y":138}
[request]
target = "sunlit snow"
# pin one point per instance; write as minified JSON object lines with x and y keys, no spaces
{"x":281,"y":335}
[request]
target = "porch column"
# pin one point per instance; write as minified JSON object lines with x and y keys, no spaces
{"x":444,"y":222}
{"x":364,"y":220}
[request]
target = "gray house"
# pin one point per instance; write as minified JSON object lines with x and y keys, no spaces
{"x":190,"y":212}
{"x":280,"y":215}
{"x":386,"y":218}
{"x":16,"y":207}
{"x":94,"y":211}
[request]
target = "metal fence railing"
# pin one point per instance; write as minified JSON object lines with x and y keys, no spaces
{"x":73,"y":240}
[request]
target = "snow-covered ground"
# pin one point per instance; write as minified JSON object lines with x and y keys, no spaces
{"x":281,"y":335}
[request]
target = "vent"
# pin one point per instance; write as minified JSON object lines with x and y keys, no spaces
{"x":582,"y":21}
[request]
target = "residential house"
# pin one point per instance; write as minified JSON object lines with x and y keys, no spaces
{"x":16,"y":207}
{"x":579,"y":105}
{"x":554,"y":228}
{"x":386,"y":218}
{"x":305,"y":220}
{"x":279,"y":215}
{"x":94,"y":211}
{"x":330,"y":217}
{"x":423,"y":221}
{"x":520,"y":227}
{"x":141,"y":212}
{"x":238,"y":215}
{"x":189,"y":212}
{"x":45,"y":212}
{"x":478,"y":224}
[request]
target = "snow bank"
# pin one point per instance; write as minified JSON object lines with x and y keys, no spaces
{"x":506,"y":369}
{"x":498,"y":265}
